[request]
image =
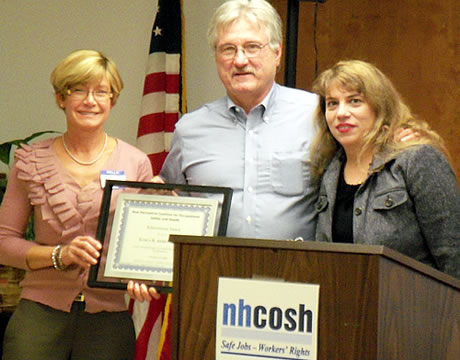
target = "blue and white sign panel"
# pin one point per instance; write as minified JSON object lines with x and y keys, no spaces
{"x":264,"y":319}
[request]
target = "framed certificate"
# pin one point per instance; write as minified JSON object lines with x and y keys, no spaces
{"x":135,"y":222}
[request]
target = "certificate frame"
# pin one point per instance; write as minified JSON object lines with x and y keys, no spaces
{"x":209,"y":206}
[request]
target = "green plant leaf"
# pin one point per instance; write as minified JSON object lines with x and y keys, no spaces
{"x":37,"y":134}
{"x":5,"y":148}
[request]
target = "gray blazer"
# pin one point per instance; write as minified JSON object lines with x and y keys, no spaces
{"x":412,"y":205}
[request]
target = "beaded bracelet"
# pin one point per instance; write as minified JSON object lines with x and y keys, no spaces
{"x":56,"y":258}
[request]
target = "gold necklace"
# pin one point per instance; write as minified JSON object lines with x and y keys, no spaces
{"x":86,"y":163}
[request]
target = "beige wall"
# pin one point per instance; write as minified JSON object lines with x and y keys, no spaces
{"x":35,"y":35}
{"x":415,"y":43}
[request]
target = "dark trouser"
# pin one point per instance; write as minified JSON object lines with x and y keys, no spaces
{"x":37,"y":332}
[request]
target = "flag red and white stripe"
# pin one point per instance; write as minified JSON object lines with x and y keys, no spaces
{"x":162,"y":101}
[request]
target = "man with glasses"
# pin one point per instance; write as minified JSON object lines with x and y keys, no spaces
{"x":256,"y":139}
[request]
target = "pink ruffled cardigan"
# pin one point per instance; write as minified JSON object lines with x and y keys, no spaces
{"x":62,"y":209}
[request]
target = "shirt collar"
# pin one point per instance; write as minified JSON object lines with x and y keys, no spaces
{"x":266,"y":104}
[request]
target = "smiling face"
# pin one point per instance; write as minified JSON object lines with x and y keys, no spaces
{"x":247,"y":80}
{"x":88,"y":113}
{"x":349,"y":116}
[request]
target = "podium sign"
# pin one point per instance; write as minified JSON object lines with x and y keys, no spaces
{"x":266,"y":319}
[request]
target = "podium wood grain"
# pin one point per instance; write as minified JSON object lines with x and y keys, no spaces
{"x":375,"y":304}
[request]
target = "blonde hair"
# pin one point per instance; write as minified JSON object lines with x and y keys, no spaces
{"x":392,"y":114}
{"x":84,"y":66}
{"x":257,"y":11}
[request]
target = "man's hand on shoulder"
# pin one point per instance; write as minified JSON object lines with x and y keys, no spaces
{"x":403,"y":135}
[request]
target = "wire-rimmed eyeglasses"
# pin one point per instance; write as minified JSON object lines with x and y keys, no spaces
{"x":250,"y":50}
{"x":81,"y":94}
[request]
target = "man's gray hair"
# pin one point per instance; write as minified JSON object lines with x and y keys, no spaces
{"x":258,"y":11}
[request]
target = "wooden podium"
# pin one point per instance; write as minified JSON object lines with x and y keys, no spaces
{"x":374,"y":303}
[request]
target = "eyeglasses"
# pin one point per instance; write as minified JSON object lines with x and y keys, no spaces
{"x":250,"y":50}
{"x":81,"y":94}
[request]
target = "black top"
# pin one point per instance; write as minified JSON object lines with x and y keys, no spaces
{"x":342,"y":219}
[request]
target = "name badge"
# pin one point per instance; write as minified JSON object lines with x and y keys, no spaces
{"x":112,"y":175}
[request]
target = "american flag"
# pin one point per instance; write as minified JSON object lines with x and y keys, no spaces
{"x":152,"y":322}
{"x":162,"y":101}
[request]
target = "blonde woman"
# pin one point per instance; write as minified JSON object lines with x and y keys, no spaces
{"x":375,"y":189}
{"x":59,"y":182}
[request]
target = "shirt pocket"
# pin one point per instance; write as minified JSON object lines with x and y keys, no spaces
{"x":390,"y":199}
{"x":289,"y":172}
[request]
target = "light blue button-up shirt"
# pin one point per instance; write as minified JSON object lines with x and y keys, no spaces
{"x":262,"y":156}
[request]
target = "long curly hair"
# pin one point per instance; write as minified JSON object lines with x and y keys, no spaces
{"x":392,"y":114}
